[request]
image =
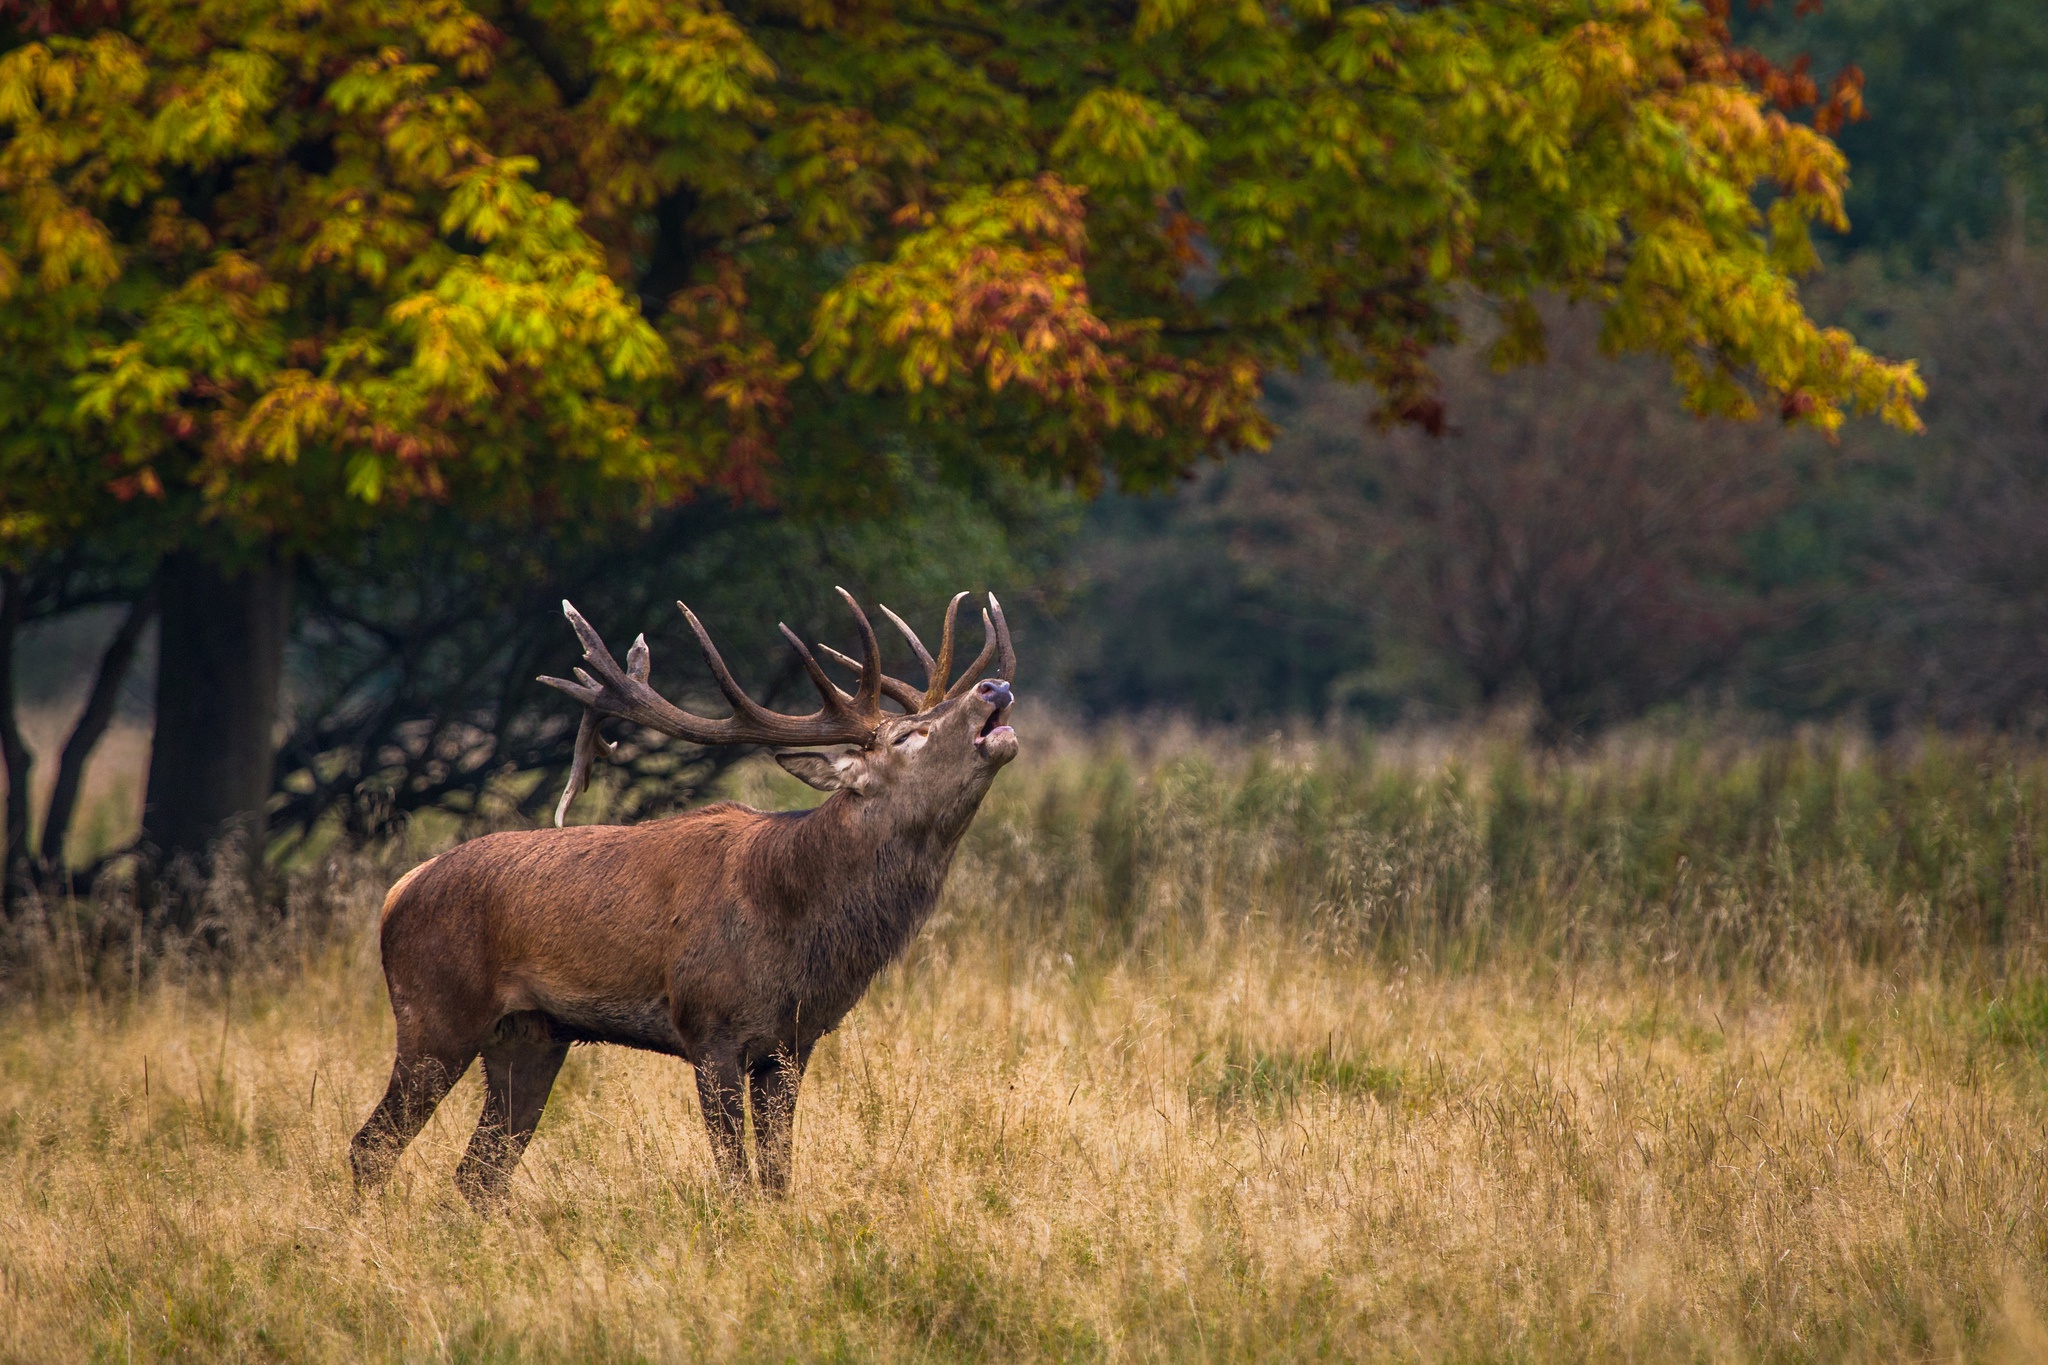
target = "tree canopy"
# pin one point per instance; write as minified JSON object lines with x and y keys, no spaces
{"x":268,"y":267}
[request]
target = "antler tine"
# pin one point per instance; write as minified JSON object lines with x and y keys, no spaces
{"x":589,"y":690}
{"x":742,"y":704}
{"x":1006,"y":654}
{"x":937,"y":672}
{"x":593,"y":644}
{"x":835,"y":699}
{"x":910,"y":637}
{"x":936,"y":690}
{"x":943,"y":673}
{"x":897,"y":690}
{"x":981,"y":660}
{"x":868,"y":700}
{"x":588,"y":742}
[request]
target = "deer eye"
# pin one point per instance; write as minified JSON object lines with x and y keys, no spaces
{"x":912,"y":739}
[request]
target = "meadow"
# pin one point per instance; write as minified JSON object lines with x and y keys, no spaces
{"x":1677,"y":1048}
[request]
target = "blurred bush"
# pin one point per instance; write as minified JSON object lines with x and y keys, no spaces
{"x":1575,"y":545}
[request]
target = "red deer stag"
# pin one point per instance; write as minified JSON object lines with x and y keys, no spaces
{"x":729,"y":937}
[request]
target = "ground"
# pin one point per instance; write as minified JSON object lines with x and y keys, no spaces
{"x":1148,"y":1089}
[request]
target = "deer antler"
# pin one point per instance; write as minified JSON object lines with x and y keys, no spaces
{"x":995,"y":645}
{"x":589,"y":743}
{"x":841,"y":719}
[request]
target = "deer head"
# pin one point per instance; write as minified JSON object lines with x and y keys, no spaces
{"x":938,"y":754}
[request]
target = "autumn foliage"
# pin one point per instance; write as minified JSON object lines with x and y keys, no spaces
{"x":269,"y":267}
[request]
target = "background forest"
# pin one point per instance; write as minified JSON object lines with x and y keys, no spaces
{"x":1568,"y":545}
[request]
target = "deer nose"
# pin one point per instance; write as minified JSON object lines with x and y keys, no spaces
{"x":993,"y":691}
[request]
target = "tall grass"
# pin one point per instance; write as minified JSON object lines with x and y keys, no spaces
{"x":1700,"y":1050}
{"x":1734,"y":856}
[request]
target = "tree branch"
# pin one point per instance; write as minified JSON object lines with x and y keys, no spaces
{"x":92,"y":725}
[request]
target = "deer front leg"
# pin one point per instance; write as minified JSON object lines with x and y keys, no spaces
{"x":719,"y":1091}
{"x":773,"y":1082}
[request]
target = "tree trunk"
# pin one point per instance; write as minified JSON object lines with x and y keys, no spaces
{"x":13,"y":753}
{"x":220,"y":664}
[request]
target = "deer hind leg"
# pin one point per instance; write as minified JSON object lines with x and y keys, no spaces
{"x":520,"y":1063}
{"x":719,"y":1091}
{"x":772,"y":1083}
{"x":421,"y":1076}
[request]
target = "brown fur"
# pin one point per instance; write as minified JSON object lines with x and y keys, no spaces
{"x":729,"y":937}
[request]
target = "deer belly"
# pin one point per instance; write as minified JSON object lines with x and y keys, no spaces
{"x":642,"y":1023}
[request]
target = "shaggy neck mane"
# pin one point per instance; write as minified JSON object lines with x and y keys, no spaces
{"x":867,"y":883}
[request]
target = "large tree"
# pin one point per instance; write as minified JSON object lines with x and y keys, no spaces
{"x":275,"y":271}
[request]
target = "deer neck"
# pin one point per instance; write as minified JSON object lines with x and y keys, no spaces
{"x":853,"y":885}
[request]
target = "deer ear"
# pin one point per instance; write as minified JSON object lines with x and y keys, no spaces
{"x":815,"y":769}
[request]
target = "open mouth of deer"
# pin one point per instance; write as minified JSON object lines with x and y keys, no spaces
{"x":996,"y":728}
{"x":998,"y":722}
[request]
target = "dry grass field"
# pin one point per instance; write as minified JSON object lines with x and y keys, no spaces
{"x":1671,"y":1051}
